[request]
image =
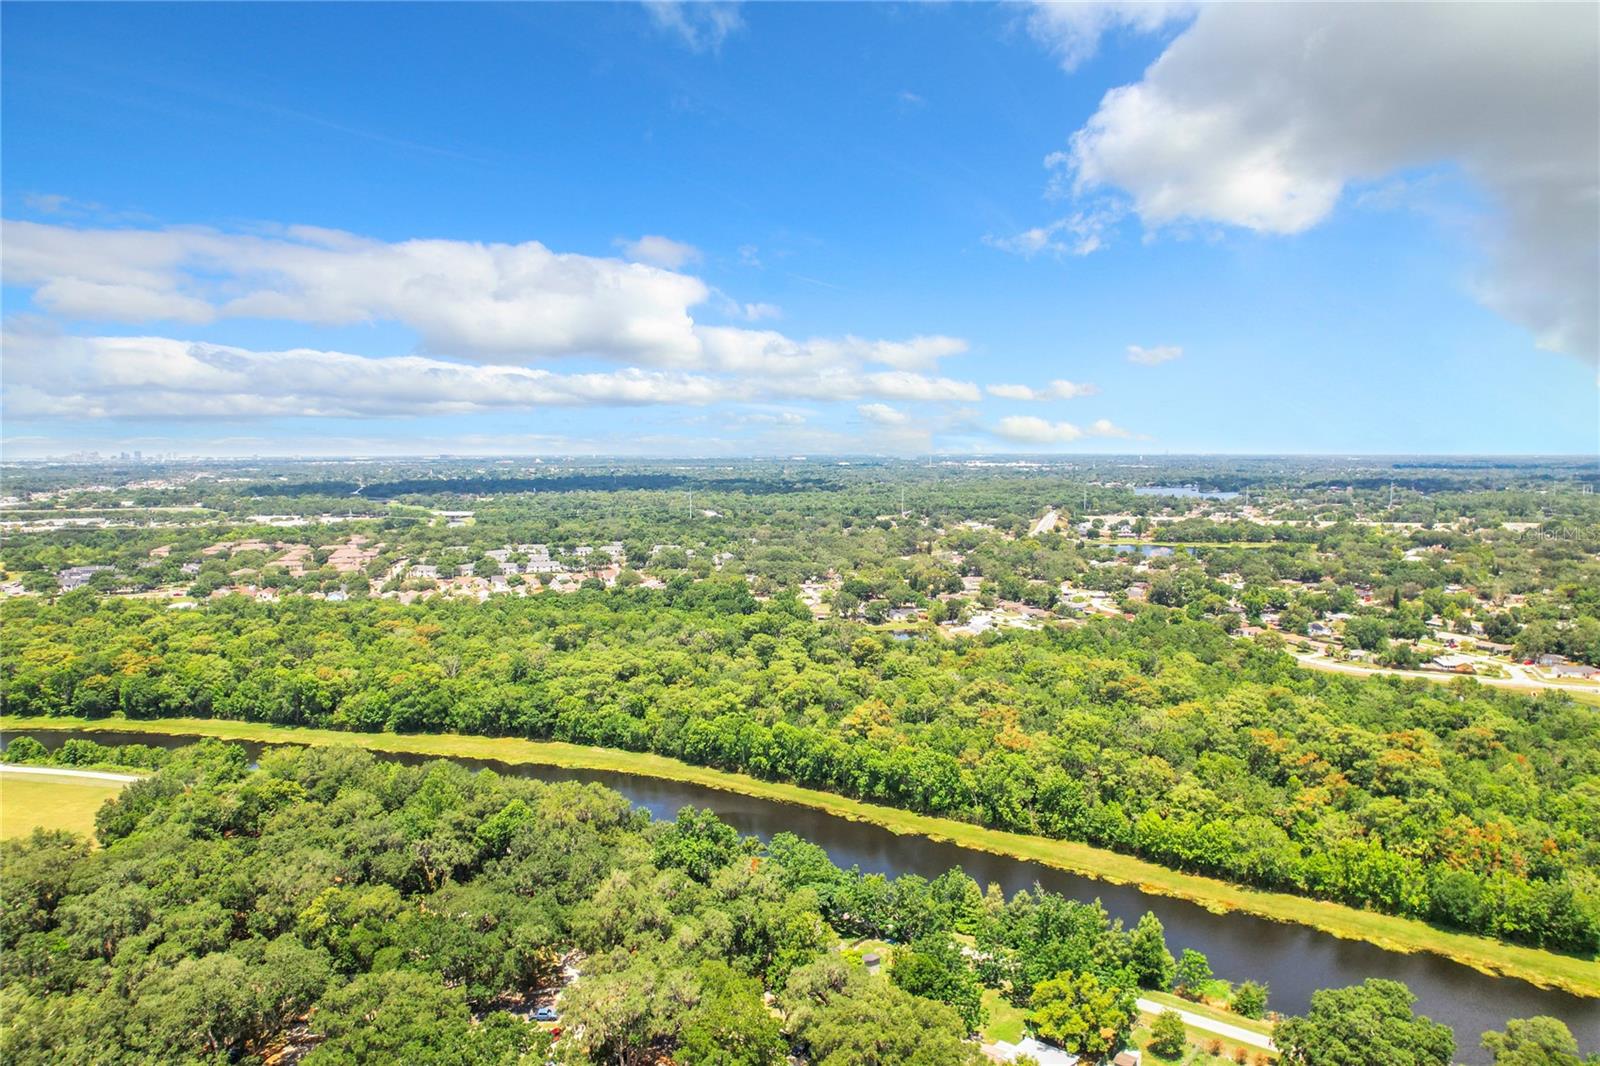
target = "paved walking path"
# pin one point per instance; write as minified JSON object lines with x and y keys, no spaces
{"x":61,"y":771}
{"x":1235,"y":1033}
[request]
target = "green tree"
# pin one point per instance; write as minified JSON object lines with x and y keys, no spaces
{"x":697,"y":843}
{"x":1152,"y":964}
{"x":730,"y":1025}
{"x":631,"y":1014}
{"x":1191,"y":974}
{"x":1082,"y":1013}
{"x":1367,"y":1023}
{"x":201,"y":1006}
{"x":395,"y":1016}
{"x":410,"y":1017}
{"x":1250,"y":999}
{"x":1367,"y":632}
{"x":25,"y":749}
{"x":1537,"y":1041}
{"x":933,"y":967}
{"x":1167,"y":1034}
{"x":845,"y":1018}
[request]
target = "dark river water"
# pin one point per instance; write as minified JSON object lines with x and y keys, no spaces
{"x":1293,"y":960}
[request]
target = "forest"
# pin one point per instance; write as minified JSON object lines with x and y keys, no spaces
{"x":1159,"y":735}
{"x":328,"y":907}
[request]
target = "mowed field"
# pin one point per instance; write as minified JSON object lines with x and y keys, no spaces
{"x":51,"y":802}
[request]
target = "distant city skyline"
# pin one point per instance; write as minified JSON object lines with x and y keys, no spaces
{"x":721,"y":230}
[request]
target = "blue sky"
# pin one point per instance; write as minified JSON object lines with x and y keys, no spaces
{"x":797,"y":229}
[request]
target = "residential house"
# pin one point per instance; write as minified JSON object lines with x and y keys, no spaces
{"x":74,"y":577}
{"x":1456,"y":664}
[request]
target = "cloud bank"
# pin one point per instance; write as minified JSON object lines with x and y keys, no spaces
{"x":463,"y":298}
{"x":496,"y":305}
{"x":50,"y":375}
{"x":490,"y":320}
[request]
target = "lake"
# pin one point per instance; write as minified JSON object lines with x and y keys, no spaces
{"x":1149,"y":551}
{"x":1292,"y":959}
{"x":1188,"y":492}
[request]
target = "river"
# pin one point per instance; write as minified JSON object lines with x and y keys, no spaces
{"x":1292,"y":959}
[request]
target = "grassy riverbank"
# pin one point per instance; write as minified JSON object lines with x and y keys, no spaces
{"x":1580,"y":976}
{"x":1167,"y":999}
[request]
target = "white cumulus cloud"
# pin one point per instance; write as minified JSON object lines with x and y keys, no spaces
{"x":1161,"y":353}
{"x":98,"y":377}
{"x":48,"y":374}
{"x":1262,"y":115}
{"x":492,"y":303}
{"x":1060,"y":389}
{"x":1073,"y":30}
{"x":473,"y":300}
{"x":702,"y":25}
{"x":755,"y":312}
{"x":1029,"y":429}
{"x":771,"y":352}
{"x":883,"y":414}
{"x":1079,"y":233}
{"x":659,"y":251}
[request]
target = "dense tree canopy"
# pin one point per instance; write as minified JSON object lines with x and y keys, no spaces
{"x":371,"y":911}
{"x":1159,"y":736}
